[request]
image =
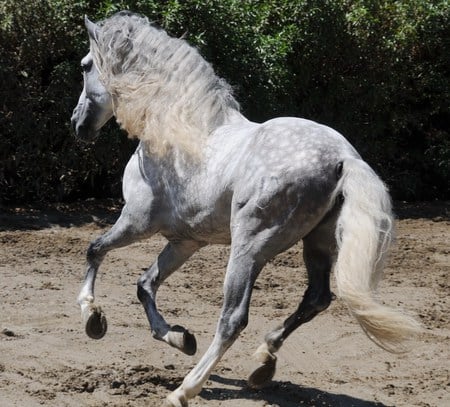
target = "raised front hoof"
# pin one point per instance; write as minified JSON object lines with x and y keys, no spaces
{"x":96,"y":325}
{"x":262,"y":376}
{"x":182,"y":339}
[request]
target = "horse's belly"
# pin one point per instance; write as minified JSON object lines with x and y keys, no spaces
{"x":199,"y":233}
{"x":210,"y":225}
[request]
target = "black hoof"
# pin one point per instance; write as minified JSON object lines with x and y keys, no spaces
{"x":96,"y":325}
{"x":262,"y":375}
{"x":183,"y":340}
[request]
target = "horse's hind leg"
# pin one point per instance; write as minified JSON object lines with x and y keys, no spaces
{"x":242,"y":270}
{"x":318,"y":253}
{"x":125,"y":231}
{"x":170,"y":259}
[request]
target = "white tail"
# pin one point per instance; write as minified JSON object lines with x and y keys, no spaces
{"x":364,"y":233}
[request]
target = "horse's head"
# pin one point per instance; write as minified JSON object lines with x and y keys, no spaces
{"x":94,"y":106}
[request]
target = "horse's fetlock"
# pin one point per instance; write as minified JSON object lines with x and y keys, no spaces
{"x":274,"y":340}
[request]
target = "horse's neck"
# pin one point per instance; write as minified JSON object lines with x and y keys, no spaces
{"x":176,"y":158}
{"x":234,"y":117}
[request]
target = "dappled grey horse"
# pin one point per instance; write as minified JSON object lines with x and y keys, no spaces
{"x":204,"y":174}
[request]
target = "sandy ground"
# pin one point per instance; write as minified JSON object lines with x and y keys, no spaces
{"x":46,"y":358}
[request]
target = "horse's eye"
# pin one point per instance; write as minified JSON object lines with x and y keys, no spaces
{"x":86,"y":66}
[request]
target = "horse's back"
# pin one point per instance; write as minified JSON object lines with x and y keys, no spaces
{"x":305,"y":139}
{"x":291,"y":154}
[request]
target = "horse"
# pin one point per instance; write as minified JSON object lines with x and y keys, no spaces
{"x":204,"y":174}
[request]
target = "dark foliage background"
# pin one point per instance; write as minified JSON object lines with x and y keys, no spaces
{"x":375,"y":70}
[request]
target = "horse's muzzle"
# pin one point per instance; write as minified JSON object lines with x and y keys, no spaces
{"x":82,"y":128}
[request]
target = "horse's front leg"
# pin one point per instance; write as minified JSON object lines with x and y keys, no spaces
{"x":92,"y":315}
{"x":170,"y":259}
{"x":124,"y":232}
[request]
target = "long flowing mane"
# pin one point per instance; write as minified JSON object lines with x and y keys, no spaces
{"x":163,"y":91}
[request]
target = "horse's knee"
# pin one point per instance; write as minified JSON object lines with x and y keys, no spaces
{"x":146,"y":287}
{"x":141,"y":292}
{"x":95,"y":252}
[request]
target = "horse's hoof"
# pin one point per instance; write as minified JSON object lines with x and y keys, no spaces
{"x":182,"y":339}
{"x":262,"y":375}
{"x":173,"y":401}
{"x":96,"y":325}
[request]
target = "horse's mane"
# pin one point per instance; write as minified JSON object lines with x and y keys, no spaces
{"x":163,"y":91}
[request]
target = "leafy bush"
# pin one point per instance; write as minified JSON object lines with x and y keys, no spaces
{"x":40,"y":83}
{"x":376,"y":70}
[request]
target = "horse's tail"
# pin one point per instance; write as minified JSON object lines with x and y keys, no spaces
{"x":364,"y":231}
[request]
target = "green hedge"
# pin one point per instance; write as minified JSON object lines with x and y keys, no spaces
{"x":378,"y":71}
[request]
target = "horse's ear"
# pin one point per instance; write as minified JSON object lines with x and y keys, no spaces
{"x":92,"y":29}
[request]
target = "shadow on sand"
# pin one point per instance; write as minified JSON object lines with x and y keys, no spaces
{"x":106,"y":211}
{"x":41,"y":216}
{"x":283,"y":394}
